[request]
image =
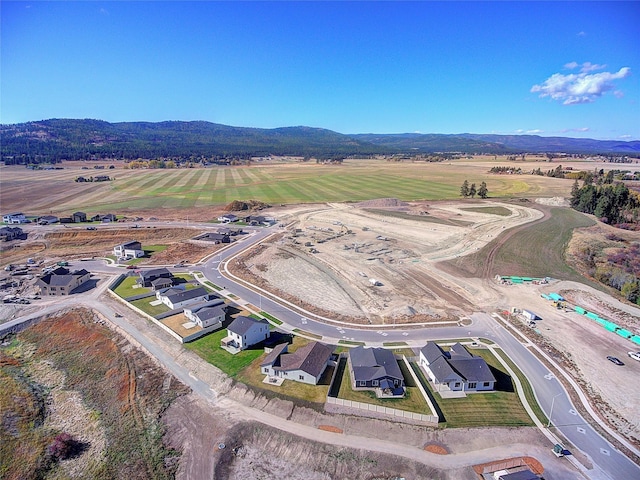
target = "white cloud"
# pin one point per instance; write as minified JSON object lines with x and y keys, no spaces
{"x":581,"y":34}
{"x":580,"y":87}
{"x":581,"y":130}
{"x":535,"y":131}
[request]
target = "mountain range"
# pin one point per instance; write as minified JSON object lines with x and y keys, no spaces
{"x":73,"y":139}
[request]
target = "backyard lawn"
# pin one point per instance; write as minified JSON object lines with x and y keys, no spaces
{"x":499,"y":408}
{"x":126,"y":288}
{"x":208,"y":348}
{"x":413,"y":400}
{"x":252,"y":376}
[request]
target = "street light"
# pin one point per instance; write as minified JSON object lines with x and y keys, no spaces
{"x":551,"y":412}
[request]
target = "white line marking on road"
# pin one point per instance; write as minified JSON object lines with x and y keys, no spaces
{"x":549,"y":376}
{"x":405,"y":333}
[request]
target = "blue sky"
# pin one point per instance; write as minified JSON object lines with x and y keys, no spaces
{"x":547,"y":68}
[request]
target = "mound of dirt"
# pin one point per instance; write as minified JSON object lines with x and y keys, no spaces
{"x":437,"y":449}
{"x":239,"y":205}
{"x":382,"y":203}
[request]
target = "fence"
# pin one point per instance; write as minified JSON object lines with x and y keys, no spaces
{"x":376,"y":410}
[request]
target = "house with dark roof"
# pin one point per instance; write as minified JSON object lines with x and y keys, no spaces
{"x":148,"y":276}
{"x":207,"y":314}
{"x":61,"y":281}
{"x":455,"y":370}
{"x":375,"y":369}
{"x":244,"y":332}
{"x":178,"y":299}
{"x":216,"y":237}
{"x":78,"y":217}
{"x":306,"y":364}
{"x":130,"y":249}
{"x":11,"y":233}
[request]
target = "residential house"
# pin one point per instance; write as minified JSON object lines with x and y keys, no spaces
{"x":228,"y":218}
{"x":215,"y":237}
{"x":79,"y":217}
{"x":375,"y":369}
{"x":131,"y":249}
{"x":61,"y":281}
{"x":160,"y":283}
{"x":244,"y":332}
{"x":48,"y":219}
{"x":456,"y":370}
{"x":13,"y":218}
{"x":101,"y":178}
{"x":109,"y":217}
{"x":11,"y":233}
{"x":207,"y":314}
{"x":259,"y":220}
{"x":306,"y":364}
{"x":148,"y":276}
{"x":179,"y":299}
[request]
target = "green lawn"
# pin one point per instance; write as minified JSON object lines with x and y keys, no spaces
{"x":499,"y":408}
{"x":413,"y":400}
{"x":251,"y":375}
{"x":153,"y":310}
{"x":125,"y":289}
{"x":208,"y":348}
{"x":534,"y":251}
{"x":271,"y":318}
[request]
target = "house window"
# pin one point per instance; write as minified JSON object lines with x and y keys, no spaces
{"x":300,"y":377}
{"x":374,"y":383}
{"x":457,"y":385}
{"x":472,"y":385}
{"x":486,"y":384}
{"x":362,"y":383}
{"x":265,"y":369}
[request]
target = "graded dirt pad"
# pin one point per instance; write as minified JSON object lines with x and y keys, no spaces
{"x":377,"y":264}
{"x":437,"y":449}
{"x":55,"y":242}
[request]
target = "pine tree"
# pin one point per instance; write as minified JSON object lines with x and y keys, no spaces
{"x":482,"y":191}
{"x":472,"y":190}
{"x":464,"y":189}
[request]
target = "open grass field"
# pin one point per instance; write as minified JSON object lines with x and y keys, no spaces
{"x":38,"y":192}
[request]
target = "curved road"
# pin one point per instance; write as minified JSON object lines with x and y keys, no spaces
{"x":608,"y":462}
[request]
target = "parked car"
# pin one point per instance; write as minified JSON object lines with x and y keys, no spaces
{"x":91,"y":228}
{"x":635,"y":355}
{"x":131,"y":267}
{"x":615,"y":360}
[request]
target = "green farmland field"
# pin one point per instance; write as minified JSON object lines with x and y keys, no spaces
{"x":291,"y":183}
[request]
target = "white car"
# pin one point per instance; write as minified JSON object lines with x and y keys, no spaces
{"x":635,"y":355}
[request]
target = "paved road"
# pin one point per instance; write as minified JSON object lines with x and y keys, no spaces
{"x":552,"y":397}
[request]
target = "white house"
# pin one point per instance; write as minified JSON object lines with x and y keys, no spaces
{"x":228,"y":218}
{"x":12,"y":218}
{"x":457,"y":371}
{"x":244,"y":332}
{"x":208,"y":314}
{"x":306,"y":364}
{"x":130,"y":249}
{"x":174,"y":298}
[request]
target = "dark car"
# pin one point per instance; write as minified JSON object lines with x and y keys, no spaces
{"x":615,"y":360}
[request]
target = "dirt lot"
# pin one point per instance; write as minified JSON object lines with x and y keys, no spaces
{"x":375,"y":261}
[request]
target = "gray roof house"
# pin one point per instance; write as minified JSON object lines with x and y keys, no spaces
{"x":61,"y":281}
{"x":207,"y":314}
{"x":178,"y":299}
{"x":148,"y":276}
{"x":375,"y":369}
{"x":456,"y":370}
{"x":244,"y":332}
{"x":11,"y":233}
{"x":306,"y":364}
